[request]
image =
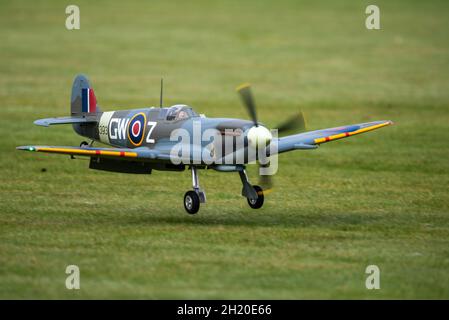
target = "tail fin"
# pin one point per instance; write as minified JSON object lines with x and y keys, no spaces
{"x":83,"y":99}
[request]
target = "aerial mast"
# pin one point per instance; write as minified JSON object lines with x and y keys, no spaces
{"x":162,"y":92}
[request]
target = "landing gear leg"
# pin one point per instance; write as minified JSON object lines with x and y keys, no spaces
{"x":193,"y":198}
{"x":253,"y":193}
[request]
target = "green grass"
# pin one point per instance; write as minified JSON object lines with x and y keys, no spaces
{"x":380,"y":198}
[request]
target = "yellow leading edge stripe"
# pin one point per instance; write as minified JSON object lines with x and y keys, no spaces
{"x":348,"y":134}
{"x":89,"y":152}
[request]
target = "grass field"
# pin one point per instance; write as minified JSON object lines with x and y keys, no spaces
{"x":380,"y":198}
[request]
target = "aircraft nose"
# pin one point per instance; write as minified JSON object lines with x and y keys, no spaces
{"x":259,"y":136}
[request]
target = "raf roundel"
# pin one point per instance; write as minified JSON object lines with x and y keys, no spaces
{"x":136,"y":129}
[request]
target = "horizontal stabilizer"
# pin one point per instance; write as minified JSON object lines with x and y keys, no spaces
{"x":64,"y":120}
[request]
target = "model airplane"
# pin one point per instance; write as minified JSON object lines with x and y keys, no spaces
{"x":144,"y":140}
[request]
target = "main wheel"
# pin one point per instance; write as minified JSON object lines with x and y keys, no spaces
{"x":258,"y":203}
{"x":84,"y":144}
{"x":191,"y":202}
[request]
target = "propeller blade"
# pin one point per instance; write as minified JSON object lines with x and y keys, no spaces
{"x":266,"y":182}
{"x":296,"y":122}
{"x":247,"y":98}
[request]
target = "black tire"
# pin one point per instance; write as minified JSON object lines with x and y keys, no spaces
{"x":84,"y":144}
{"x":256,"y":204}
{"x":191,"y":202}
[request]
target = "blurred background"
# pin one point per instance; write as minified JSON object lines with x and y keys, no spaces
{"x":380,"y":198}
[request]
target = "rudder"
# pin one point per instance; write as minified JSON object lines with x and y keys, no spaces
{"x":83,"y":100}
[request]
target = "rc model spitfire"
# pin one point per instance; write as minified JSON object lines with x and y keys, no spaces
{"x":176,"y":137}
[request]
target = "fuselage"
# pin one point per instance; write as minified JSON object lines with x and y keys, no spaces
{"x":162,"y":128}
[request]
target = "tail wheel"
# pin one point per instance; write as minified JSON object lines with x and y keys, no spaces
{"x":84,"y":144}
{"x":191,"y":202}
{"x":258,"y":203}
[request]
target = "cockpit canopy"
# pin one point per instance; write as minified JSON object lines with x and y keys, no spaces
{"x":179,"y":112}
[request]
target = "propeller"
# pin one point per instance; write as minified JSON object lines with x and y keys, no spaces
{"x":295,"y":123}
{"x":247,"y":98}
{"x":259,"y":134}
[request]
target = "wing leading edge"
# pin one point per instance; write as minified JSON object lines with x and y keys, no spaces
{"x":311,"y":140}
{"x":123,"y":153}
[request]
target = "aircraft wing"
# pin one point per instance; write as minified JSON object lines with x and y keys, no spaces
{"x":139,"y":154}
{"x":312,"y":139}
